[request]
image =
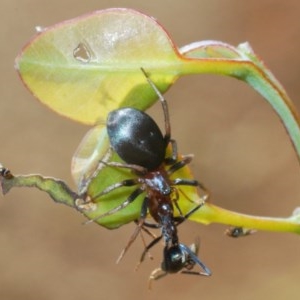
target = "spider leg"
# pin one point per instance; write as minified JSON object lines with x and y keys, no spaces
{"x":175,"y":200}
{"x":151,"y":225}
{"x":138,"y":228}
{"x":126,"y":183}
{"x":187,"y":215}
{"x":164,"y":106}
{"x":192,"y":182}
{"x":145,"y":229}
{"x":137,"y":168}
{"x":147,"y":248}
{"x":180,"y":164}
{"x":154,"y":242}
{"x":173,"y":158}
{"x":124,"y":204}
{"x":189,"y":182}
{"x":179,"y":181}
{"x":153,"y":236}
{"x":181,"y":219}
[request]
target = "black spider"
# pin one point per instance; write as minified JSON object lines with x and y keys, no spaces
{"x":139,"y":142}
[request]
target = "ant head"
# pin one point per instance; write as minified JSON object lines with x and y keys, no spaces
{"x":175,"y":259}
{"x":179,"y":257}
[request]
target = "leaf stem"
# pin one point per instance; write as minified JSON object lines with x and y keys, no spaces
{"x":55,"y":188}
{"x":213,"y":214}
{"x":261,"y":79}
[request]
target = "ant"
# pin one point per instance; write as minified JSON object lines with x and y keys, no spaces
{"x":139,"y":142}
{"x":237,"y":232}
{"x":177,"y":257}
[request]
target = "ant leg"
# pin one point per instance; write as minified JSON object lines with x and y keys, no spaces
{"x":136,"y":168}
{"x":155,"y":275}
{"x":164,"y":106}
{"x":129,"y":200}
{"x":194,"y":259}
{"x":195,"y":246}
{"x":195,"y":273}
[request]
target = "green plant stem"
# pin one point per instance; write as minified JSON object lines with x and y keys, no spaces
{"x":209,"y":213}
{"x":262,"y":81}
{"x":55,"y":188}
{"x":213,"y":214}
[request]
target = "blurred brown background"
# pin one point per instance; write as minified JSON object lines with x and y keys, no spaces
{"x":242,"y":154}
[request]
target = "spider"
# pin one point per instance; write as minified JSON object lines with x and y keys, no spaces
{"x":139,"y":142}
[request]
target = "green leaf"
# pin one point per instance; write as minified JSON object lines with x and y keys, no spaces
{"x":92,"y":149}
{"x":85,"y":67}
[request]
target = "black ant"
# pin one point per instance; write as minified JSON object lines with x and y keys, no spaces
{"x":177,"y":257}
{"x":237,"y":232}
{"x":139,"y":142}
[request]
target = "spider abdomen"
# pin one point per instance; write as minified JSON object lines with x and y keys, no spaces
{"x":136,"y":138}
